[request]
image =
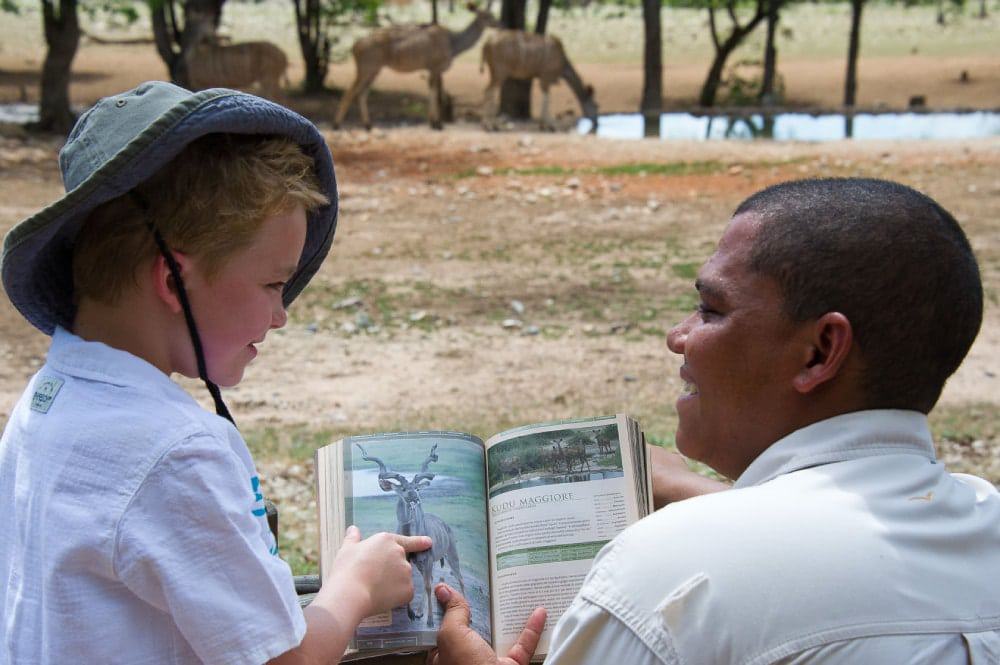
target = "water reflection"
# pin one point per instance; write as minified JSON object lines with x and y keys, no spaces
{"x":801,"y":126}
{"x":20,"y":113}
{"x":650,"y":126}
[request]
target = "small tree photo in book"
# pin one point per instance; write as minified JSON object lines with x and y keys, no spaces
{"x":516,"y":521}
{"x":546,"y":459}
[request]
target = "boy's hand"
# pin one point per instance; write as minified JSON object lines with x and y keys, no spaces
{"x":457,"y":644}
{"x":374,"y":573}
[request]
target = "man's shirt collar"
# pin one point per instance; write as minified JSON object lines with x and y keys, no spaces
{"x":846,"y":437}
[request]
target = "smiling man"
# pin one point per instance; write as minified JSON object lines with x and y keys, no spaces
{"x":831,"y":315}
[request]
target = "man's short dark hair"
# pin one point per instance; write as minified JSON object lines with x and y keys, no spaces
{"x":890,"y":259}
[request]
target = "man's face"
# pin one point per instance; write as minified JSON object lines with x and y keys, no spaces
{"x":740,"y":356}
{"x":237,"y":307}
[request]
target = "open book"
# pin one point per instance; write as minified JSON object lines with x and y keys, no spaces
{"x":516,"y":522}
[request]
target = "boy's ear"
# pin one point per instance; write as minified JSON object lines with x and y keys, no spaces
{"x":163,"y":281}
{"x":830,"y":343}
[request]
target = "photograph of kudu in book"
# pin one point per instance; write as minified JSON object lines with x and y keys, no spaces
{"x":416,"y":483}
{"x":412,"y":520}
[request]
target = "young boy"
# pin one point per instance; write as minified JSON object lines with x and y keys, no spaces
{"x":133,"y":527}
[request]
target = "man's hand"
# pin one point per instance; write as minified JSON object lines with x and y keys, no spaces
{"x":457,"y":644}
{"x":674,"y":481}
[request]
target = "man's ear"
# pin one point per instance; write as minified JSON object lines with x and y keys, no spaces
{"x":832,"y":339}
{"x":163,"y":281}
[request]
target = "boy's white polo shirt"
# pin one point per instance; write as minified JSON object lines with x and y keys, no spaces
{"x":133,"y":527}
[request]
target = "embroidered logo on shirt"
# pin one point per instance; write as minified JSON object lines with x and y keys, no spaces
{"x":260,"y":508}
{"x":45,"y":394}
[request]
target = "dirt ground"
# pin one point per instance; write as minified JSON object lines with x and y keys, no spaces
{"x":481,"y":281}
{"x":440,"y":232}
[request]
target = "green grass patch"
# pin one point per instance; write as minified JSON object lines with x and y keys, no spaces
{"x":966,"y":423}
{"x":685,"y":270}
{"x":295,"y":442}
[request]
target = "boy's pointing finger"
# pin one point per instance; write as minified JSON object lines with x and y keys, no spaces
{"x":414,"y":543}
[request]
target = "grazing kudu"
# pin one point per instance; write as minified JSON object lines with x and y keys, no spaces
{"x":411,"y":520}
{"x":525,"y":55}
{"x":577,"y":454}
{"x":409,"y":48}
{"x":556,"y":458}
{"x":242,"y":65}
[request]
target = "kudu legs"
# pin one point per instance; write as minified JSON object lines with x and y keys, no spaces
{"x":362,"y":86}
{"x":427,"y":572}
{"x":491,"y":105}
{"x":358,"y":90}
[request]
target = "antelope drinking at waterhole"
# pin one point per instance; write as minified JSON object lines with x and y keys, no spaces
{"x":525,"y":55}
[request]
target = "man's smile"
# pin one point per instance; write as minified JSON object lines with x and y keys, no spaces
{"x":690,"y":387}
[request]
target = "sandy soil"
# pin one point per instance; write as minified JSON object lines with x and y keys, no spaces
{"x":600,"y":264}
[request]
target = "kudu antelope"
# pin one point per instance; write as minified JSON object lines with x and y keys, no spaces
{"x":526,"y":55}
{"x":409,"y":48}
{"x":211,"y":64}
{"x":411,"y":520}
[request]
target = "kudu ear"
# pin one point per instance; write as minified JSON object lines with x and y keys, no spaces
{"x":472,"y":7}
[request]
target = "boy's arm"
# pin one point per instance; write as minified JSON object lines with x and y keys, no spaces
{"x":367,"y":577}
{"x":328,"y":631}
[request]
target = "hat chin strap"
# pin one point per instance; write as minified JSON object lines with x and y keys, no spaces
{"x":175,"y":272}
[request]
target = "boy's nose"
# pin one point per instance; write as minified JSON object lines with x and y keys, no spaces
{"x":279,"y":317}
{"x":678,"y":335}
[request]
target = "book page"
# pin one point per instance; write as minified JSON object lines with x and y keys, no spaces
{"x":423,"y":483}
{"x":558,"y":493}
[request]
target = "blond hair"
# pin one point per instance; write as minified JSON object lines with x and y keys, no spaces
{"x":208,"y":202}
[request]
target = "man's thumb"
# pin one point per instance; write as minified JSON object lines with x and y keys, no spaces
{"x":352,"y":535}
{"x":456,"y":608}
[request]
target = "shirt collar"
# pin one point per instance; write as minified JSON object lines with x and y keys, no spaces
{"x":96,"y":361}
{"x":846,"y":437}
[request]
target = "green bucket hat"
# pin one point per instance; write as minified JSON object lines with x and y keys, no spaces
{"x":121,"y":142}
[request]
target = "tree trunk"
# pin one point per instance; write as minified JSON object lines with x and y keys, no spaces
{"x":543,"y":16}
{"x":853,"y":45}
{"x":62,"y":36}
{"x":434,"y":12}
{"x":312,"y":43}
{"x":515,"y":95}
{"x":173,"y":41}
{"x":711,"y":86}
{"x":767,"y":97}
{"x":165,"y":35}
{"x":723,"y":49}
{"x":651,"y":105}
